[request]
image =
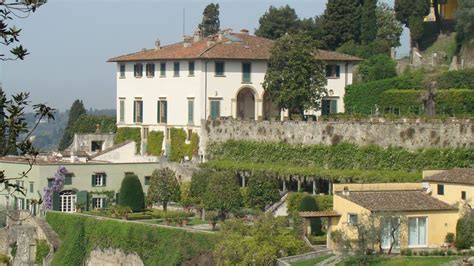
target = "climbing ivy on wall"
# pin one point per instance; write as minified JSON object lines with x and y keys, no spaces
{"x":155,"y":143}
{"x":179,"y":148}
{"x":155,"y":245}
{"x":128,"y":133}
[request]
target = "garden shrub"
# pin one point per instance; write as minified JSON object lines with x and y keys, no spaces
{"x":222,"y":193}
{"x":458,"y":79}
{"x":294,"y":201}
{"x":155,"y":143}
{"x":131,"y":193}
{"x":454,"y":101}
{"x":324,"y":202}
{"x":401,"y":102}
{"x":378,"y":67}
{"x":465,"y":232}
{"x":262,"y":191}
{"x":308,"y":203}
{"x":128,"y":133}
{"x":155,"y":245}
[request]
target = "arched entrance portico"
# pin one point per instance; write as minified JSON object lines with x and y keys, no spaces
{"x":246,"y":103}
{"x":269,"y":110}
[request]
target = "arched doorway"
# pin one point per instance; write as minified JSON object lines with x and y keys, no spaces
{"x":246,"y":104}
{"x":269,"y":110}
{"x":67,"y":201}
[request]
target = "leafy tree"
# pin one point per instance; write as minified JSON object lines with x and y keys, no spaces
{"x":259,"y":244}
{"x":378,"y":67}
{"x":164,"y":187}
{"x":341,"y":22}
{"x":295,"y":78}
{"x":276,"y":22}
{"x":185,"y":195}
{"x":465,"y":231}
{"x":411,"y":14}
{"x":88,"y":124}
{"x":308,"y":203}
{"x":131,"y":193}
{"x":199,"y":182}
{"x":389,"y":29}
{"x":368,"y":23}
{"x":222,"y":193}
{"x":262,"y":191}
{"x":77,"y":109}
{"x":210,"y":20}
{"x":365,"y":50}
{"x":465,"y":21}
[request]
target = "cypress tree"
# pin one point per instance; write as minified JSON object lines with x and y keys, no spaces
{"x":131,"y":193}
{"x":77,"y":109}
{"x":210,"y":20}
{"x":368,"y":23}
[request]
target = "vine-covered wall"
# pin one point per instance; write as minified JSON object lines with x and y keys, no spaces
{"x":128,"y":133}
{"x":155,"y":143}
{"x":179,"y":147}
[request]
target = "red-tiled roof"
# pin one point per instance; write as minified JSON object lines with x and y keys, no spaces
{"x":396,"y":200}
{"x":232,"y":46}
{"x":456,"y":175}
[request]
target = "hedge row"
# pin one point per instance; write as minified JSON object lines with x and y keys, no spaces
{"x":128,"y":133}
{"x":312,"y":172}
{"x":461,"y":79}
{"x":155,"y":245}
{"x":341,"y":156}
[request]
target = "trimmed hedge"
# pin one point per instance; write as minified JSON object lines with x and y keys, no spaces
{"x":362,"y":97}
{"x":455,"y":101}
{"x":155,"y":143}
{"x":131,"y":193}
{"x":343,"y":156}
{"x":460,"y":79}
{"x":155,"y":245}
{"x":128,"y":133}
{"x":401,"y":101}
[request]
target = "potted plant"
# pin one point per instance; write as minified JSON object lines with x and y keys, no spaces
{"x":450,"y":240}
{"x":80,"y":207}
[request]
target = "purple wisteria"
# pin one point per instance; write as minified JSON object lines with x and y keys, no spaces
{"x":57,"y":185}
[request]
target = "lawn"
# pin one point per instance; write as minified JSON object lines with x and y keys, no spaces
{"x":405,"y":261}
{"x":311,"y":262}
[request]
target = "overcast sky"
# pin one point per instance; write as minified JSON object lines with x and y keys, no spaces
{"x":70,"y":41}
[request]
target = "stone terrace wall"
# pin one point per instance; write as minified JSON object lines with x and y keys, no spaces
{"x":409,"y":134}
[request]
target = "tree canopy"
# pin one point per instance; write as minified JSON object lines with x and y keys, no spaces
{"x":164,"y":187}
{"x":210,"y":20}
{"x":411,"y":14}
{"x":222,"y":193}
{"x":277,"y":21}
{"x":262,"y":191}
{"x":465,"y":21}
{"x":368,"y":22}
{"x":295,"y":79}
{"x":378,"y":67}
{"x":77,"y":109}
{"x":388,"y":27}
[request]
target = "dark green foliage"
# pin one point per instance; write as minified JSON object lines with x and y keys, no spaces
{"x":362,"y":97}
{"x":416,"y":29}
{"x":155,"y":245}
{"x":341,"y":156}
{"x":88,"y":124}
{"x":210,"y":20}
{"x":199,"y":182}
{"x":262,"y":191}
{"x":77,"y":110}
{"x":401,"y":102}
{"x":222,"y":193}
{"x":465,"y":232}
{"x":155,"y":143}
{"x":294,"y":201}
{"x":389,"y":29}
{"x":295,"y":79}
{"x":128,"y":133}
{"x":365,"y":50}
{"x":454,"y":102}
{"x":131,"y":193}
{"x":411,"y":14}
{"x":164,"y":187}
{"x":368,"y":23}
{"x":341,"y":22}
{"x":308,"y":203}
{"x":179,"y":148}
{"x":459,"y":79}
{"x":277,"y":21}
{"x":42,"y":250}
{"x":324,"y":202}
{"x":465,"y":21}
{"x":378,"y":67}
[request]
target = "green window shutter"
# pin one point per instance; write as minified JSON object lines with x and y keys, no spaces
{"x":68,"y":179}
{"x":56,"y":201}
{"x":117,"y":195}
{"x":246,"y":70}
{"x":82,"y":197}
{"x":325,"y":107}
{"x":104,"y":180}
{"x":215,"y":112}
{"x":134,"y":111}
{"x":190,"y":111}
{"x":93,"y":180}
{"x":105,"y":202}
{"x":140,"y":118}
{"x":333,"y":106}
{"x":158,"y":112}
{"x":165,"y":111}
{"x":122,"y":110}
{"x":338,"y":71}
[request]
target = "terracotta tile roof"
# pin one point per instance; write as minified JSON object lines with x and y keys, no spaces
{"x":396,"y":200}
{"x":313,"y":214}
{"x":456,"y":175}
{"x":232,"y":46}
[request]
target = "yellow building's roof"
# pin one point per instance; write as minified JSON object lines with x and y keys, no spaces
{"x":456,"y":175}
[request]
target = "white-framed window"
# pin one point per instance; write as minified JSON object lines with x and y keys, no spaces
{"x":138,"y":70}
{"x":162,"y":111}
{"x":190,"y":111}
{"x":176,"y":69}
{"x":122,"y":71}
{"x":98,"y":203}
{"x":150,"y":70}
{"x":352,"y":218}
{"x":98,"y":180}
{"x":333,"y":71}
{"x":417,"y":231}
{"x":191,"y":68}
{"x":122,"y":110}
{"x":67,"y":201}
{"x":219,"y":69}
{"x":20,"y":203}
{"x":138,"y":111}
{"x":163,"y":69}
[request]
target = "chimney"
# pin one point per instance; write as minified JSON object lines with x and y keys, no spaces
{"x":97,"y":128}
{"x":244,"y":31}
{"x":157,"y":44}
{"x":346,"y":192}
{"x":197,"y":36}
{"x":211,"y":41}
{"x":187,"y":41}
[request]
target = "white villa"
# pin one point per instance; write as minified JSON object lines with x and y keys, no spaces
{"x":180,"y":84}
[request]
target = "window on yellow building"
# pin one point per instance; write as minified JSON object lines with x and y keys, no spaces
{"x":440,"y":189}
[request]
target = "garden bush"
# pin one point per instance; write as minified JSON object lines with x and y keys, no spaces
{"x":131,"y":193}
{"x":465,"y":231}
{"x":378,"y":67}
{"x":459,"y":79}
{"x":155,"y":245}
{"x":324,"y":202}
{"x":262,"y":191}
{"x":155,"y":143}
{"x":222,"y":193}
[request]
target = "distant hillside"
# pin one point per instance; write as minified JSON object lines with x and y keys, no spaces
{"x":47,"y":135}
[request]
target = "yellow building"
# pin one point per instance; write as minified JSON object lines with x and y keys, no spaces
{"x":455,"y":186}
